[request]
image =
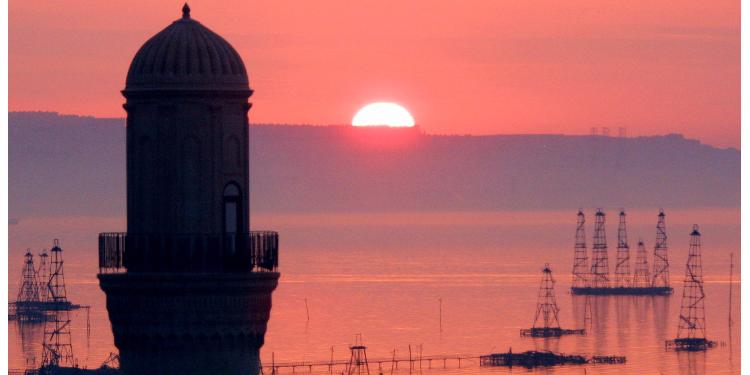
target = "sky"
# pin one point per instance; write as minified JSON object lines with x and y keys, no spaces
{"x":459,"y":67}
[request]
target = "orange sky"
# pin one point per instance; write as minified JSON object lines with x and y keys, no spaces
{"x":475,"y":67}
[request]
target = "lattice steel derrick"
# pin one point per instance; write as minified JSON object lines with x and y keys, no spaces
{"x":661,"y":259}
{"x":56,"y":282}
{"x":641,"y":276}
{"x":692,"y":324}
{"x":43,"y":276}
{"x":599,"y":257}
{"x":57,"y":346}
{"x":580,"y":257}
{"x":28,"y":292}
{"x":358,"y":361}
{"x":546,"y":306}
{"x":622,"y":267}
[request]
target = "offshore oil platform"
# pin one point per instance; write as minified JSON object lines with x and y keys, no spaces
{"x":546,"y":320}
{"x":42,"y":291}
{"x":595,"y":280}
{"x":691,"y":329}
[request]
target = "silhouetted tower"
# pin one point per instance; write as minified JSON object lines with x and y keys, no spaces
{"x":691,"y":328}
{"x":43,"y":276}
{"x":56,"y":282}
{"x":599,"y":257}
{"x":57,"y":345}
{"x":581,"y":258}
{"x":641,"y":277}
{"x":622,"y":268}
{"x":29,"y":291}
{"x":358,"y":361}
{"x":189,"y":285}
{"x":546,"y":305}
{"x":661,"y":260}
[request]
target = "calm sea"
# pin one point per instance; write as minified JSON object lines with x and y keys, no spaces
{"x":384,"y":276}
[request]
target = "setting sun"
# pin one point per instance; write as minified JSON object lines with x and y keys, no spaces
{"x":383,"y":114}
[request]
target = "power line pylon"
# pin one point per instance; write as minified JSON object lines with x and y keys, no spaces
{"x":56,"y":282}
{"x":581,"y":258}
{"x":691,"y":329}
{"x":43,"y":276}
{"x":358,"y":361}
{"x":546,"y":319}
{"x":622,"y":268}
{"x":600,"y":261}
{"x":661,"y":259}
{"x":641,"y":276}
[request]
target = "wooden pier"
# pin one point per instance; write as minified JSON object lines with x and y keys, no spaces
{"x":413,"y":363}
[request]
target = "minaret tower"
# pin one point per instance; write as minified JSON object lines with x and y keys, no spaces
{"x":600,"y":259}
{"x":580,"y":260}
{"x":622,"y":268}
{"x":189,"y":285}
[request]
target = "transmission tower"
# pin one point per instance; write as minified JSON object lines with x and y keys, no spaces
{"x":622,"y":268}
{"x":600,"y":261}
{"x":43,"y":276}
{"x":358,"y":362}
{"x":661,"y":261}
{"x":56,"y":282}
{"x":691,"y":329}
{"x":641,"y":276}
{"x":581,"y":259}
{"x":28,"y":292}
{"x":57,"y":346}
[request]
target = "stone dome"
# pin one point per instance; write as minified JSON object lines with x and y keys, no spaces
{"x":187,"y":56}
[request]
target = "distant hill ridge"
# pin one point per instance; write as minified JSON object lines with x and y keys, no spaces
{"x":75,"y":165}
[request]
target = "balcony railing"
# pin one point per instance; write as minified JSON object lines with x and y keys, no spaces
{"x":249,"y":252}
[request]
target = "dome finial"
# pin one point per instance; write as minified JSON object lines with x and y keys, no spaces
{"x":186,"y":11}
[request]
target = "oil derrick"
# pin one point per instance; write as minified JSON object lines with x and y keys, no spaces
{"x":57,"y":346}
{"x":622,"y":267}
{"x":599,"y":261}
{"x":546,"y":320}
{"x":641,"y":275}
{"x":691,"y":329}
{"x":581,"y":259}
{"x":56,"y":282}
{"x":29,"y":291}
{"x":661,"y":261}
{"x":43,"y":276}
{"x":358,"y":362}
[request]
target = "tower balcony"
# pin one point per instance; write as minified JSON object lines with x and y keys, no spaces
{"x":257,"y":251}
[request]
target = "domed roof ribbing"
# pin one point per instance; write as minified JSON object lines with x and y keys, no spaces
{"x":187,"y":56}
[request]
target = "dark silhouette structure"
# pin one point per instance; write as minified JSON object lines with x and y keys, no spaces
{"x":546,"y":320}
{"x":641,"y":276}
{"x":691,"y":328}
{"x":622,"y":267}
{"x":597,"y":282}
{"x":600,"y":258}
{"x":188,"y":286}
{"x":580,"y":260}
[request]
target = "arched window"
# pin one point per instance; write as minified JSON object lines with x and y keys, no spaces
{"x":232,"y":209}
